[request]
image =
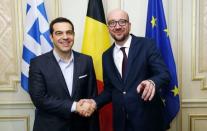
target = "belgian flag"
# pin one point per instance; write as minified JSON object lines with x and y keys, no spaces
{"x":96,"y":40}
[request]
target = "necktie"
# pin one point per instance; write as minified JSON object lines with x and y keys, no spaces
{"x":124,"y":62}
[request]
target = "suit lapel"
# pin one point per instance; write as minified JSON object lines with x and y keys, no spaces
{"x":55,"y":66}
{"x":75,"y":73}
{"x":112,"y":63}
{"x":132,"y":55}
{"x":116,"y":76}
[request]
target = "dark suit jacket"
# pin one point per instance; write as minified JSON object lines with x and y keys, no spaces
{"x":50,"y":95}
{"x":129,"y":109}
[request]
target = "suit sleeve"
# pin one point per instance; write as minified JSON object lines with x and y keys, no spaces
{"x":41,"y":99}
{"x":105,"y":96}
{"x":93,"y":91}
{"x":158,"y":70}
{"x":92,"y":85}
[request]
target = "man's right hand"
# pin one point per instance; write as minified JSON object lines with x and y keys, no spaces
{"x":86,"y":107}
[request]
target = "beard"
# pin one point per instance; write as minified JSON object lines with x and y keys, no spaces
{"x":121,"y":38}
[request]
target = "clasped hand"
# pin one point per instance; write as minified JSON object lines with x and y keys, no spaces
{"x":86,"y":107}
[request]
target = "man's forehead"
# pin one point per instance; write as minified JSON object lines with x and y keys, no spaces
{"x":62,"y":25}
{"x":117,"y":14}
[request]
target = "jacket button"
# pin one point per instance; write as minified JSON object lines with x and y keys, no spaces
{"x":127,"y":116}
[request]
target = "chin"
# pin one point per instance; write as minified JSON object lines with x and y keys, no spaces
{"x":119,"y":39}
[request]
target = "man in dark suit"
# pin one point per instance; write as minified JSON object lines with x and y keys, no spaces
{"x":58,"y":80}
{"x":133,"y":73}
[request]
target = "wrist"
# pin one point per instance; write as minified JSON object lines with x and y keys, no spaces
{"x":152,"y":82}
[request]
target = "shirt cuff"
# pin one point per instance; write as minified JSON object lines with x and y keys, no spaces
{"x":73,"y":108}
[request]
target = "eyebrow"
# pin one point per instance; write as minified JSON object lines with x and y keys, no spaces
{"x":63,"y":31}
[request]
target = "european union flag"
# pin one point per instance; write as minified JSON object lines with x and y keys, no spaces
{"x":156,"y":28}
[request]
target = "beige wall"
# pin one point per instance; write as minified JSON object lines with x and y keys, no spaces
{"x":186,"y":21}
{"x":194,"y":93}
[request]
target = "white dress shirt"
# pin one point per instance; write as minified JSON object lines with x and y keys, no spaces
{"x":67,"y":68}
{"x":118,"y":55}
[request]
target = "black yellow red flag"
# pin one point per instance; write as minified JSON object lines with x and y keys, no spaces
{"x":96,"y":40}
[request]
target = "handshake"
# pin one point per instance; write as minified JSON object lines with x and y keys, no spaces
{"x":85,"y":107}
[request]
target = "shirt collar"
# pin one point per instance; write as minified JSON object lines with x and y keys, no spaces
{"x":126,"y":44}
{"x":57,"y":57}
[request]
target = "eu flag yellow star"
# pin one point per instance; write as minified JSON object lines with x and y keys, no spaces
{"x":166,"y":31}
{"x":153,"y":21}
{"x":175,"y":91}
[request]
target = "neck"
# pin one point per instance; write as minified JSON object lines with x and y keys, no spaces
{"x":121,"y":43}
{"x":64,"y":55}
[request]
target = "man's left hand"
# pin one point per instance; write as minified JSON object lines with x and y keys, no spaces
{"x":147,"y":87}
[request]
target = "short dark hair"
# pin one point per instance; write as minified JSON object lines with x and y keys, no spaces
{"x":60,"y":20}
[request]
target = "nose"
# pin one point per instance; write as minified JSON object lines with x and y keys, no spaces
{"x":117,"y":26}
{"x":65,"y":36}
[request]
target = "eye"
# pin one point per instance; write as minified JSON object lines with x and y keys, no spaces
{"x":122,"y":22}
{"x":58,"y":33}
{"x":70,"y":32}
{"x":112,"y":23}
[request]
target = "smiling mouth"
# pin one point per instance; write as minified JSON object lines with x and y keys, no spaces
{"x":119,"y":34}
{"x":118,"y":31}
{"x":65,"y":41}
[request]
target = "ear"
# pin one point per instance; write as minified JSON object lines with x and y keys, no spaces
{"x":129,"y":26}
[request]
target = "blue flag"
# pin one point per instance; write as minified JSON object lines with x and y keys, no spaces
{"x":156,"y":28}
{"x":36,"y":36}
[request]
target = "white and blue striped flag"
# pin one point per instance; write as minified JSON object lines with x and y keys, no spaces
{"x":36,"y":36}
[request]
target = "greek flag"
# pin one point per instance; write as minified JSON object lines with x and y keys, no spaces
{"x":36,"y":36}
